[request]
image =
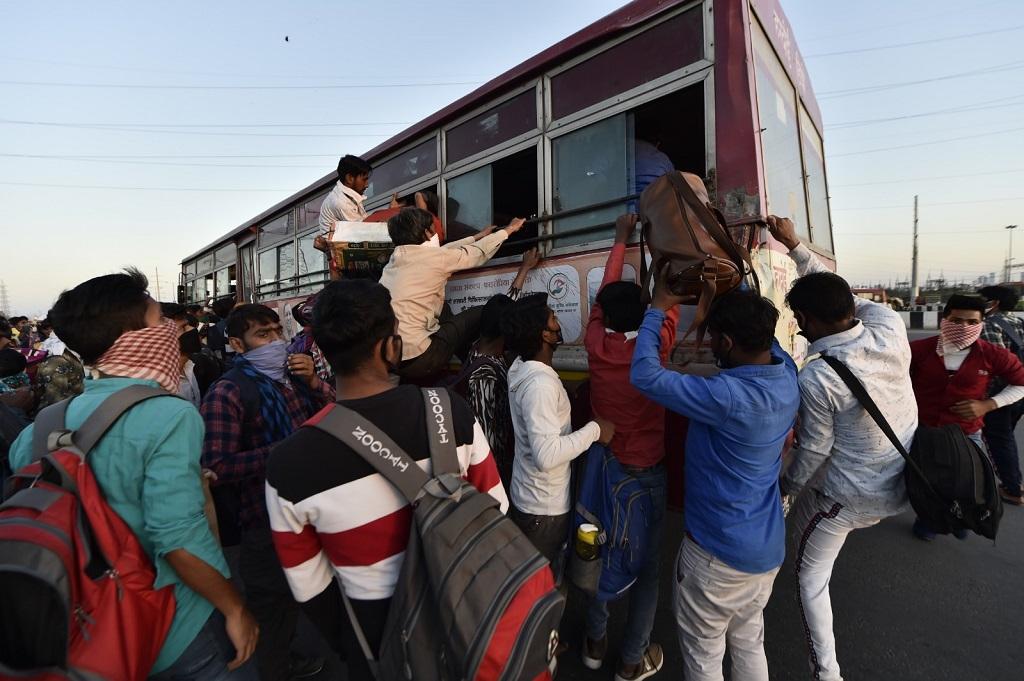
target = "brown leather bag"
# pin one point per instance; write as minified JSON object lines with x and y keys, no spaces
{"x":687,"y":234}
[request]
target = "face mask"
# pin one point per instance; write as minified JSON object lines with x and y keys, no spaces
{"x":151,"y":353}
{"x":270,"y":360}
{"x":954,"y":337}
{"x":190,"y":343}
{"x":434,"y":241}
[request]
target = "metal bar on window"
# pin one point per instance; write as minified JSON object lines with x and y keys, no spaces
{"x":582,"y":209}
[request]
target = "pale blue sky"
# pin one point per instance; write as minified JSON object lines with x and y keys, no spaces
{"x":55,"y":237}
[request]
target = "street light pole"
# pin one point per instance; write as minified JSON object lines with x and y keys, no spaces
{"x":1009,"y":259}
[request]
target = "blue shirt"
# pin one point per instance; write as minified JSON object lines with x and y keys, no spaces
{"x":148,"y":468}
{"x":739,"y":420}
{"x":650,"y":163}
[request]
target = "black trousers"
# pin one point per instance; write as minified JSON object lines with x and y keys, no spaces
{"x":549,"y":533}
{"x":454,"y":338}
{"x":270,"y":600}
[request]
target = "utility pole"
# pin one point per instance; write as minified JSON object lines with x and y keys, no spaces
{"x":915,"y":290}
{"x":158,"y":296}
{"x":5,"y":304}
{"x":1009,"y":258}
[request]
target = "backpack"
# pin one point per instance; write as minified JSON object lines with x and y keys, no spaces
{"x":76,"y":587}
{"x":950,"y":481}
{"x":475,"y":599}
{"x":621,"y":508}
{"x":687,"y":235}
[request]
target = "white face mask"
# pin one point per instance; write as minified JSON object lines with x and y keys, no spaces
{"x":434,"y":241}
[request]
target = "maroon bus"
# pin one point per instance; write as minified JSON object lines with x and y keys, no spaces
{"x":718,"y":85}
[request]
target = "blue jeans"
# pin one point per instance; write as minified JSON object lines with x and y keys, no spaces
{"x":643,"y":595}
{"x":1002,"y":445}
{"x":207,"y":657}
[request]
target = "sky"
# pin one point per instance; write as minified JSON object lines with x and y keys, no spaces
{"x":186,"y":147}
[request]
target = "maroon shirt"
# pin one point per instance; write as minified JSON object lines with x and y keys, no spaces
{"x":937,"y":390}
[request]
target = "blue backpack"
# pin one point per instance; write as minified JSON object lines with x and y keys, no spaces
{"x":621,"y":508}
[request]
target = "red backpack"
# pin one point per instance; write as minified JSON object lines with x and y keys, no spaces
{"x":76,"y":588}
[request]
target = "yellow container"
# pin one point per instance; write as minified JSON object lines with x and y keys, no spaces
{"x":586,"y":542}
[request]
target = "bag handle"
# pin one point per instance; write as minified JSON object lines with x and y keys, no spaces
{"x":861,"y":393}
{"x":50,"y":429}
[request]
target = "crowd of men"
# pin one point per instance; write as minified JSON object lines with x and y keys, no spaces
{"x":311,"y":518}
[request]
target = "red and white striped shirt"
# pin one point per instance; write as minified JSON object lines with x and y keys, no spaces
{"x":332,"y":514}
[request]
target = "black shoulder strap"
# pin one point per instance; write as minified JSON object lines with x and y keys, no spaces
{"x":861,"y":393}
{"x":441,"y":431}
{"x":49,"y":420}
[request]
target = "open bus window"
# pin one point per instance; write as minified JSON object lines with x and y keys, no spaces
{"x":268,"y":271}
{"x":780,"y":137}
{"x":494,"y":195}
{"x":817,"y":190}
{"x":312,"y":264}
{"x":619,"y":156}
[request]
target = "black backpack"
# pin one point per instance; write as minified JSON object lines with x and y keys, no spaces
{"x":950,"y":480}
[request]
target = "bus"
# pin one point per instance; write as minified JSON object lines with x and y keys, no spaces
{"x":718,"y":85}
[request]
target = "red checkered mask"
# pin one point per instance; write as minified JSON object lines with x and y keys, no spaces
{"x":954,"y":337}
{"x":151,"y":353}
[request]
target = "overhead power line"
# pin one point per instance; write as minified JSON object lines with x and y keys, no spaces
{"x":977,"y":106}
{"x":932,"y":177}
{"x":140,"y":189}
{"x":910,"y":44}
{"x":105,"y":156}
{"x":153,"y":130}
{"x":925,"y":144}
{"x":998,"y":68}
{"x":937,"y":203}
{"x":322,"y":86}
{"x":121,"y":161}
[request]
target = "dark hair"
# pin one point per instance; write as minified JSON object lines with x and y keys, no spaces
{"x":222,"y":307}
{"x":45,"y":324}
{"x":490,"y":319}
{"x":433,"y":201}
{"x":352,"y":165}
{"x":349,"y":318}
{"x":961,"y":302}
{"x":746,"y":317}
{"x":194,"y":309}
{"x":621,"y":305}
{"x":11,"y":362}
{"x":1004,"y":295}
{"x":94,"y":314}
{"x":172,"y":310}
{"x":244,"y":316}
{"x":524,"y":325}
{"x":5,"y":329}
{"x":822,"y":295}
{"x":407,"y":226}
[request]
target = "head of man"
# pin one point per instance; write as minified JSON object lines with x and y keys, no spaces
{"x":1000,"y":298}
{"x":252,"y":326}
{"x":961,"y":323}
{"x":531,"y":329}
{"x":411,"y":227}
{"x":175,"y":313}
{"x":222,"y":307}
{"x":354,"y":173}
{"x":822,"y":303}
{"x":45,"y":328}
{"x":6,"y":335}
{"x":622,"y":306}
{"x":355,"y":327}
{"x":12,"y":362}
{"x":90,"y":317}
{"x":741,"y":328}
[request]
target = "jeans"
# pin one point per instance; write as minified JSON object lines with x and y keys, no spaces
{"x":453,"y":338}
{"x":643,"y":595}
{"x":718,"y":605}
{"x":207,"y":657}
{"x":819,"y":529}
{"x":1002,"y":445}
{"x":549,"y":534}
{"x":270,"y":600}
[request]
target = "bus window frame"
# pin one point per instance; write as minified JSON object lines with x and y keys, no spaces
{"x":403,"y":189}
{"x":803,"y":118}
{"x":262,"y":242}
{"x":536,"y":142}
{"x":706,"y":62}
{"x":705,"y":77}
{"x":460,"y":165}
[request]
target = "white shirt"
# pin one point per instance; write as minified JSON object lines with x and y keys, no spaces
{"x":343,"y":203}
{"x":1008,"y":395}
{"x":188,"y":386}
{"x":53,"y":346}
{"x":861,"y":468}
{"x":545,"y":443}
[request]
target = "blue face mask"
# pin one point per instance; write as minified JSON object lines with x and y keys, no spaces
{"x":271,"y":359}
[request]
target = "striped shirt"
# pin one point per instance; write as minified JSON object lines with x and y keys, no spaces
{"x":332,"y":514}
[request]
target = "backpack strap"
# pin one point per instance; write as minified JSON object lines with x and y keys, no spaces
{"x":441,"y":431}
{"x":109,"y":411}
{"x":861,"y":393}
{"x":49,"y":420}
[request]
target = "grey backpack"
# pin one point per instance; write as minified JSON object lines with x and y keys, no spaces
{"x":475,"y":599}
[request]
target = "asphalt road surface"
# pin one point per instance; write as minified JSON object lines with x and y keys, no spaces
{"x":904,"y":609}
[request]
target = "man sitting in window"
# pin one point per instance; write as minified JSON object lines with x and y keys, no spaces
{"x":416,"y":276}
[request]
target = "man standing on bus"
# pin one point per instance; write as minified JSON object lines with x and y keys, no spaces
{"x":639,"y":445}
{"x":862,"y":481}
{"x":344,"y":203}
{"x":416,"y":276}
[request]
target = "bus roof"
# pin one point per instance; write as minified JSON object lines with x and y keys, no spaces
{"x":620,"y":21}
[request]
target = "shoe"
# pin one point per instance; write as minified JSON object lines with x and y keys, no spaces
{"x":593,"y":652}
{"x":1009,"y":497}
{"x":304,"y":667}
{"x":922,"y":532}
{"x":651,"y":663}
